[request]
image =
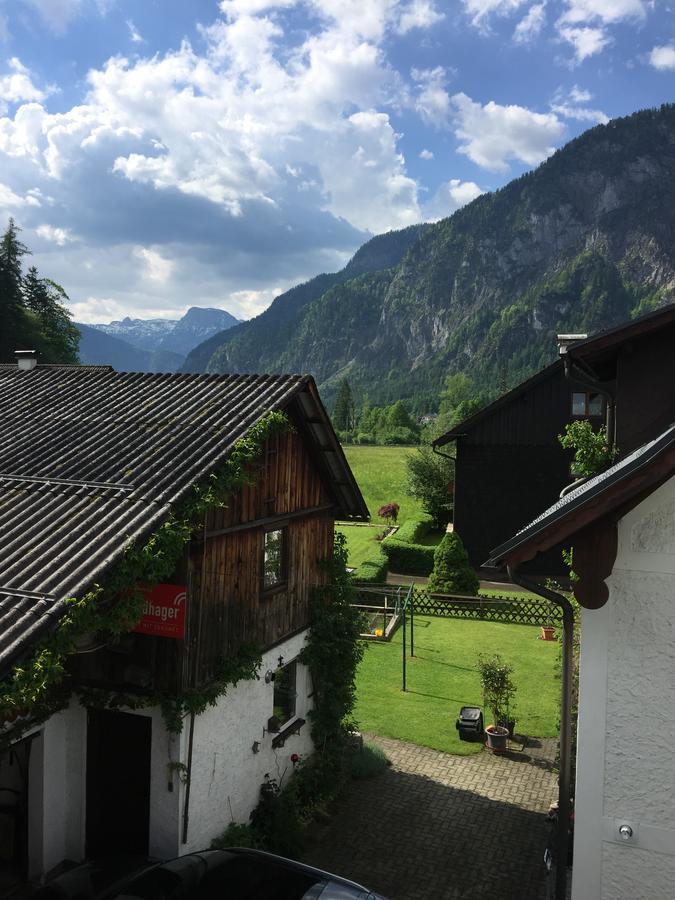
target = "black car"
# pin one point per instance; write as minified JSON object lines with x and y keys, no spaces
{"x":233,"y":874}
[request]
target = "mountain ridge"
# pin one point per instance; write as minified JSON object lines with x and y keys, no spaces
{"x":580,"y":243}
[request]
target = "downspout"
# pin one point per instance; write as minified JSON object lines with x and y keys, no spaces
{"x":562,"y":837}
{"x":195,"y":681}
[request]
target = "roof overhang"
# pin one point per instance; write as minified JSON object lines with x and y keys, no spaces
{"x":587,"y":517}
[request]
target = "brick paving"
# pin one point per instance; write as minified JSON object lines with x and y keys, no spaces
{"x":442,"y":827}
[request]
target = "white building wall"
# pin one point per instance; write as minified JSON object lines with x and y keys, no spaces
{"x":58,"y":819}
{"x":626,"y":741}
{"x":226,"y":773}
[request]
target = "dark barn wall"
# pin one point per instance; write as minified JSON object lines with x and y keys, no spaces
{"x":645,"y":404}
{"x":510,"y":468}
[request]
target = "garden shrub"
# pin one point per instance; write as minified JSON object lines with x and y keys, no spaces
{"x":452,"y":572}
{"x":405,"y":555}
{"x":373,"y":569}
{"x":368,"y":762}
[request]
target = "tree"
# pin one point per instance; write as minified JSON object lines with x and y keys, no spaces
{"x":55,"y":336}
{"x":592,"y":453}
{"x":13,"y":321}
{"x":452,"y":572}
{"x":429,"y":476}
{"x":343,"y":415}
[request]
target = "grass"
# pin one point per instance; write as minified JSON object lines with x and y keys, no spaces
{"x":442,"y":679}
{"x":381,"y":473}
{"x":361,"y":541}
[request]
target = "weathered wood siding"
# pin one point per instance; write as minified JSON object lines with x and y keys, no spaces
{"x":227,"y":605}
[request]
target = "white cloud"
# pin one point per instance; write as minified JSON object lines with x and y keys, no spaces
{"x":418,"y":14}
{"x":572,"y":106}
{"x":426,"y":154}
{"x":585,"y":41}
{"x":432,"y":102}
{"x":584,"y":23}
{"x":58,"y":236}
{"x":156,"y":267}
{"x":134,"y":34}
{"x":663,"y":57}
{"x":10,"y":200}
{"x":18,"y":86}
{"x":481,"y":10}
{"x":450,"y":197}
{"x":491,"y":135}
{"x":56,"y":14}
{"x":608,"y":12}
{"x":178,"y":172}
{"x":530,"y":26}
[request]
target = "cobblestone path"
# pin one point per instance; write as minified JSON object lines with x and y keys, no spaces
{"x":442,"y":827}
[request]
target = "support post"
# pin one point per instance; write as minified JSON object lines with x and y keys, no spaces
{"x":412,"y":620}
{"x":404,"y":648}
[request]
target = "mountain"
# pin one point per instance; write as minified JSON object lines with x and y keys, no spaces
{"x":158,"y":345}
{"x":581,"y":243}
{"x":99,"y":348}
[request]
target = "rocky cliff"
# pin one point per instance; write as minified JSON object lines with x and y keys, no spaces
{"x":583,"y":242}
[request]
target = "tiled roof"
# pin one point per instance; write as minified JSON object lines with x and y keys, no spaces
{"x":91,"y":459}
{"x":589,"y":490}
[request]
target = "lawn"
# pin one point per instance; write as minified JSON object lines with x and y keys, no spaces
{"x":380,"y":473}
{"x":442,"y":679}
{"x":361,"y":541}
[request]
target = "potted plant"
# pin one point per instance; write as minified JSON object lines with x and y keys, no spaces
{"x":498,"y":693}
{"x":548,"y":629}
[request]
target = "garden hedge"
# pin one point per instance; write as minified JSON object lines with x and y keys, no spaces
{"x":405,"y":556}
{"x":373,"y":569}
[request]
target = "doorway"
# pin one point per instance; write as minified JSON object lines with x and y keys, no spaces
{"x":118,"y":783}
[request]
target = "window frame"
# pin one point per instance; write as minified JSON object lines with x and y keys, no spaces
{"x":282,"y":580}
{"x":294,"y":713}
{"x":587,"y":405}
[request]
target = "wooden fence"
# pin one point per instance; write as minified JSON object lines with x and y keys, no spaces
{"x":512,"y":610}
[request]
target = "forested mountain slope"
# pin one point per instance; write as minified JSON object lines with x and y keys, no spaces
{"x":581,"y":243}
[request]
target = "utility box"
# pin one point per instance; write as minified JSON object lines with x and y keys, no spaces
{"x":469,"y":724}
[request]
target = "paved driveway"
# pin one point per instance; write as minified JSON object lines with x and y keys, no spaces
{"x":442,"y":827}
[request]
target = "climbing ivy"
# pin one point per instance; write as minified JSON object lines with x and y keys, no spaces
{"x":333,"y":652}
{"x":38,"y":686}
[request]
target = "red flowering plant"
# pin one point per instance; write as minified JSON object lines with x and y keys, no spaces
{"x":389,"y":512}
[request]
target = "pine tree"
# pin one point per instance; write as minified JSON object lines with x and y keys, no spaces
{"x":452,"y":573}
{"x":343,"y":415}
{"x":55,"y":336}
{"x":13,"y":322}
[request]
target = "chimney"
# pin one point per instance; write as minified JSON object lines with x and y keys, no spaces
{"x":26,"y":359}
{"x":564,"y":341}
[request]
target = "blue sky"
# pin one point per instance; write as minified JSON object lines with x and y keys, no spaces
{"x":160,"y":154}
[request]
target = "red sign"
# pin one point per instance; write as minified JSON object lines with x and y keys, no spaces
{"x":164,"y":611}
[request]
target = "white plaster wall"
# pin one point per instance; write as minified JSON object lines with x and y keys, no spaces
{"x":226,"y":774}
{"x":64,"y":747}
{"x":626,"y":748}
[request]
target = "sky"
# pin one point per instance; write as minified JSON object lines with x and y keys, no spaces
{"x":162,"y":154}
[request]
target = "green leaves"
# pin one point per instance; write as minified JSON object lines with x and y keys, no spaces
{"x":592,"y":453}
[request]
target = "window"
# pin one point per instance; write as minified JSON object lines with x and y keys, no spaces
{"x":285,"y":693}
{"x":586,"y":404}
{"x":274,"y":558}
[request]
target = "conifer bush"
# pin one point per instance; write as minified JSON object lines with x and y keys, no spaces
{"x":452,"y":573}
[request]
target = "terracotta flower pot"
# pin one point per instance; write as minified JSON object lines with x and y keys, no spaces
{"x":497,"y":737}
{"x":547,"y":633}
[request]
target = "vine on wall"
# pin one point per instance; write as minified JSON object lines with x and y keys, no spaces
{"x":38,"y":686}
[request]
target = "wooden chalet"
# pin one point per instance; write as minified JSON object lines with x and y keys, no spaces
{"x":91,"y":462}
{"x":509,"y":463}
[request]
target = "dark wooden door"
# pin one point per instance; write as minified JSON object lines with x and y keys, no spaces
{"x":118,"y":783}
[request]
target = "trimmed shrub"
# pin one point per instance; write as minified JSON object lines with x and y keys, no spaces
{"x":403,"y":552}
{"x":373,"y":569}
{"x":452,"y":573}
